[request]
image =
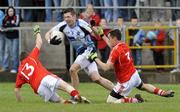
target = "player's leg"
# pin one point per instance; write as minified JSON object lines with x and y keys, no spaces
{"x":121,"y":91}
{"x":122,"y":99}
{"x":93,"y":73}
{"x":154,"y":90}
{"x":95,"y":77}
{"x":47,"y":90}
{"x":81,"y":62}
{"x":55,"y":98}
{"x":74,"y":69}
{"x":62,"y":85}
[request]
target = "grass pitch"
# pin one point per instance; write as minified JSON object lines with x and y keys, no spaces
{"x":97,"y":94}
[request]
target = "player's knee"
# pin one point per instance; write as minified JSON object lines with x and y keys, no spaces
{"x":141,"y":86}
{"x":97,"y":80}
{"x":72,"y":71}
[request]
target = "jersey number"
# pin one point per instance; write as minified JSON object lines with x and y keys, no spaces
{"x":128,"y":55}
{"x":27,"y":70}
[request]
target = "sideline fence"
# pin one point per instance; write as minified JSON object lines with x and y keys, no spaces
{"x":174,"y":47}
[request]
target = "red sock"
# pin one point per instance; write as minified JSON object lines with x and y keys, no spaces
{"x":130,"y":100}
{"x":159,"y":92}
{"x":74,"y":93}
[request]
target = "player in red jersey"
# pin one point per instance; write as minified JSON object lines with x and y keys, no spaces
{"x":43,"y":82}
{"x":126,"y":74}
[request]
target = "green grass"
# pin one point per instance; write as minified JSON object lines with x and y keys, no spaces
{"x":98,"y":95}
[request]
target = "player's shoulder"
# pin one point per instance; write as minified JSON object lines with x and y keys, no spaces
{"x":120,"y":45}
{"x":123,"y":45}
{"x":61,"y":24}
{"x":84,"y":25}
{"x":81,"y":22}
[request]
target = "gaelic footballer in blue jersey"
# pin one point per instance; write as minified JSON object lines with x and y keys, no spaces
{"x":77,"y":31}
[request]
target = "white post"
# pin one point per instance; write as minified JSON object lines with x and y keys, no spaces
{"x":20,"y":42}
{"x":177,"y":43}
{"x":138,"y":9}
{"x":71,"y":55}
{"x":177,"y":69}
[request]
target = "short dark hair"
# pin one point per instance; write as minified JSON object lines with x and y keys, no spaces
{"x":71,"y":10}
{"x":115,"y":33}
{"x":23,"y":55}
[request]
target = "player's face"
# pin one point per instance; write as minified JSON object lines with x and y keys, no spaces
{"x":112,"y":40}
{"x":70,"y":19}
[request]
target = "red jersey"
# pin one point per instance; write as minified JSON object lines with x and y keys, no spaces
{"x":31,"y":71}
{"x":123,"y":63}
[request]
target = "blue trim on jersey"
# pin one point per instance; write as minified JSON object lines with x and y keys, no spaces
{"x":80,"y":50}
{"x":71,"y":38}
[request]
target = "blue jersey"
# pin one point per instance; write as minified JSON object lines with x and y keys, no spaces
{"x":78,"y":35}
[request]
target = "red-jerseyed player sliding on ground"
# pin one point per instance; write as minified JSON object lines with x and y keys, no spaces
{"x":43,"y":82}
{"x":126,"y":74}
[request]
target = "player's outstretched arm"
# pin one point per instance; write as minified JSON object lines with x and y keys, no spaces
{"x":99,"y":31}
{"x":18,"y":94}
{"x":36,"y":32}
{"x":104,"y":66}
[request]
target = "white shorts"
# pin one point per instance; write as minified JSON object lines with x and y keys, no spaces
{"x":47,"y":88}
{"x":125,"y":88}
{"x":85,"y":64}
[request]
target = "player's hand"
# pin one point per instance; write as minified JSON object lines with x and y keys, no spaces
{"x":100,"y":31}
{"x":55,"y":41}
{"x":92,"y":56}
{"x":36,"y":30}
{"x":93,"y":23}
